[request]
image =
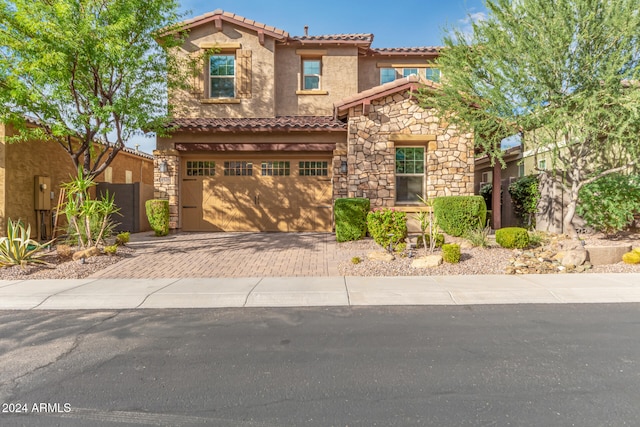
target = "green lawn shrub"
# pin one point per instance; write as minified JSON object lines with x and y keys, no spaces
{"x":512,"y":237}
{"x":123,"y":238}
{"x":388,"y":227}
{"x":158,"y":216}
{"x":451,"y":253}
{"x":456,"y":215}
{"x":351,"y":218}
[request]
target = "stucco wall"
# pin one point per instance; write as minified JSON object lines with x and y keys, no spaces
{"x":339,"y":79}
{"x":21,"y":162}
{"x":262,"y":97}
{"x":394,"y":121}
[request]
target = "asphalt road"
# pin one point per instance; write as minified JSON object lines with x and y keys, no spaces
{"x":520,"y":365}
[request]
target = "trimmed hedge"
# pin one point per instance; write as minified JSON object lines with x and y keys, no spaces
{"x":158,"y":216}
{"x":451,"y":253}
{"x":351,"y":218}
{"x":456,"y":215}
{"x":512,"y":237}
{"x":388,"y":227}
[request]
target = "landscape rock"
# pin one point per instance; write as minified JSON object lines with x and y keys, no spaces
{"x":380,"y":256}
{"x":601,"y":255}
{"x":429,"y":261}
{"x":86,"y":253}
{"x":574,"y":257}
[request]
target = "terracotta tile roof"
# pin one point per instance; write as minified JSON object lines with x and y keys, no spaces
{"x":405,"y":50}
{"x":236,"y":19}
{"x":362,"y":37}
{"x":270,"y":124}
{"x":412,"y":82}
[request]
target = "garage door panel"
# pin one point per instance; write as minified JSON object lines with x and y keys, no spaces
{"x":257,"y":203}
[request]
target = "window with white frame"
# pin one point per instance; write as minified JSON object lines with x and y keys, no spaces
{"x":387,"y":75}
{"x":222,"y":76}
{"x":409,"y":174}
{"x":542,"y":164}
{"x":433,"y":74}
{"x":311,"y":73}
{"x":406,"y":72}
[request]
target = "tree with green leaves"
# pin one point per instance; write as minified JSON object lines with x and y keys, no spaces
{"x":565,"y":73}
{"x":92,"y":73}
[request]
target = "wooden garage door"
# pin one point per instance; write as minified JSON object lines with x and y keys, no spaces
{"x":258,"y":194}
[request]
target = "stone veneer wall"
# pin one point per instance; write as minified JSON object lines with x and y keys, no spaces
{"x":371,"y":145}
{"x":166,"y":184}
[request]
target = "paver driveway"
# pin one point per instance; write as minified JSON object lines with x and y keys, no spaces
{"x":229,"y":255}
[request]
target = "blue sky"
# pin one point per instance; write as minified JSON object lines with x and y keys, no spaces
{"x":401,"y":24}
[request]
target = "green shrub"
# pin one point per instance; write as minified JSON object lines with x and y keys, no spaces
{"x":356,"y":260}
{"x":451,"y":253}
{"x":18,"y":248}
{"x":512,"y":237}
{"x":158,"y":216}
{"x":525,"y":195}
{"x":351,"y":218}
{"x":456,"y":215}
{"x":609,"y":203}
{"x":631,"y":258}
{"x":479,"y":237}
{"x":537,"y":238}
{"x":123,"y":238}
{"x":387,"y":227}
{"x":426,"y":238}
{"x":486,"y":191}
{"x":111,"y":250}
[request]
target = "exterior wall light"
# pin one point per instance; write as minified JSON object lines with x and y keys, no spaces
{"x":343,"y":167}
{"x":163,"y":167}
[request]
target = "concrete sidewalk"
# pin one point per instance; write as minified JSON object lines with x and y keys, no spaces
{"x":96,"y":293}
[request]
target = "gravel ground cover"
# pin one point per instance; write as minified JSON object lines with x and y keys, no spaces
{"x":492,"y":260}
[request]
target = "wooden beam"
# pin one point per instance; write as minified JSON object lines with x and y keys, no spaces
{"x":404,"y":137}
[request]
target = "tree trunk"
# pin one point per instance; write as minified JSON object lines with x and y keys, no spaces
{"x":567,"y":221}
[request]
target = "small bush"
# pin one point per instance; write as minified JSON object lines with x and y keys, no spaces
{"x":479,"y":237}
{"x":427,"y":238}
{"x":351,"y":218}
{"x":123,"y":238}
{"x":609,"y":203}
{"x":631,"y":258}
{"x":451,"y":253}
{"x":537,"y":238}
{"x":456,"y":215}
{"x":111,"y":250}
{"x":636,"y":250}
{"x":512,"y":237}
{"x":356,"y":260}
{"x":387,"y":227}
{"x":158,"y":215}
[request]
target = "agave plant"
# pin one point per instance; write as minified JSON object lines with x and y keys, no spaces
{"x":18,"y":248}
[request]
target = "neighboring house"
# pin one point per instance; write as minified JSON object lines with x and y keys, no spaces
{"x":31,"y":173}
{"x":276,"y":127}
{"x":484,"y":174}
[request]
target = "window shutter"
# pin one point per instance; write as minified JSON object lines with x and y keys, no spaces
{"x":243,"y":59}
{"x":197,"y":65}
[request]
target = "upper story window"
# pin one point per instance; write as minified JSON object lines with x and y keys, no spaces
{"x":433,"y":74}
{"x":542,"y":164}
{"x":222,"y":76}
{"x":387,"y":75}
{"x":406,"y":72}
{"x":311,"y":72}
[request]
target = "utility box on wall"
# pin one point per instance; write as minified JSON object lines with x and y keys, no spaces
{"x":42,"y":192}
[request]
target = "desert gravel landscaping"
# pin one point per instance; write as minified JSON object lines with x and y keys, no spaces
{"x":492,"y":260}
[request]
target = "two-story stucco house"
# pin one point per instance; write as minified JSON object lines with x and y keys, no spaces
{"x":276,"y":127}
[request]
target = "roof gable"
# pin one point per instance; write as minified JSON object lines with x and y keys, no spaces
{"x":411,"y":83}
{"x":218,"y":16}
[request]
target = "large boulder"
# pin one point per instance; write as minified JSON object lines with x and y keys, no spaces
{"x":380,"y":256}
{"x":429,"y":261}
{"x":86,"y":253}
{"x":600,"y":255}
{"x":574,"y":257}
